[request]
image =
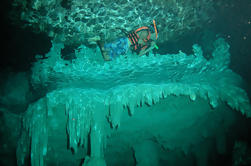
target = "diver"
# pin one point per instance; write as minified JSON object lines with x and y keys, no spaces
{"x":141,"y":41}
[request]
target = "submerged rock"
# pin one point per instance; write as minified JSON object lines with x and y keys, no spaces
{"x":93,"y":108}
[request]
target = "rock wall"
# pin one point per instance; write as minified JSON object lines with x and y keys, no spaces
{"x":73,"y":22}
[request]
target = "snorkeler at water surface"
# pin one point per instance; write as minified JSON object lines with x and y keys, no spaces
{"x":141,"y":41}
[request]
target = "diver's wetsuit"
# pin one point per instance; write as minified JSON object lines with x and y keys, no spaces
{"x":121,"y":45}
{"x":117,"y":48}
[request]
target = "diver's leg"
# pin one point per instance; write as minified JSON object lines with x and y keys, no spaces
{"x":103,"y":52}
{"x":97,"y":40}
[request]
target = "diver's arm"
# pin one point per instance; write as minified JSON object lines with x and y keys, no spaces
{"x":142,"y":52}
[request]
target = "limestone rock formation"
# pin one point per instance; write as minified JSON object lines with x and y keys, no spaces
{"x":74,"y":21}
{"x":93,"y":108}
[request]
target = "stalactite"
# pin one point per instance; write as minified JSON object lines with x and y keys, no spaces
{"x":34,"y":135}
{"x":86,"y":108}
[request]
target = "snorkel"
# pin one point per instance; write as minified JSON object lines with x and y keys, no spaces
{"x":156,"y":46}
{"x":156,"y":33}
{"x":155,"y":29}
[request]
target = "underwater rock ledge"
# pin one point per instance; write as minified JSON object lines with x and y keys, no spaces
{"x":94,"y":97}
